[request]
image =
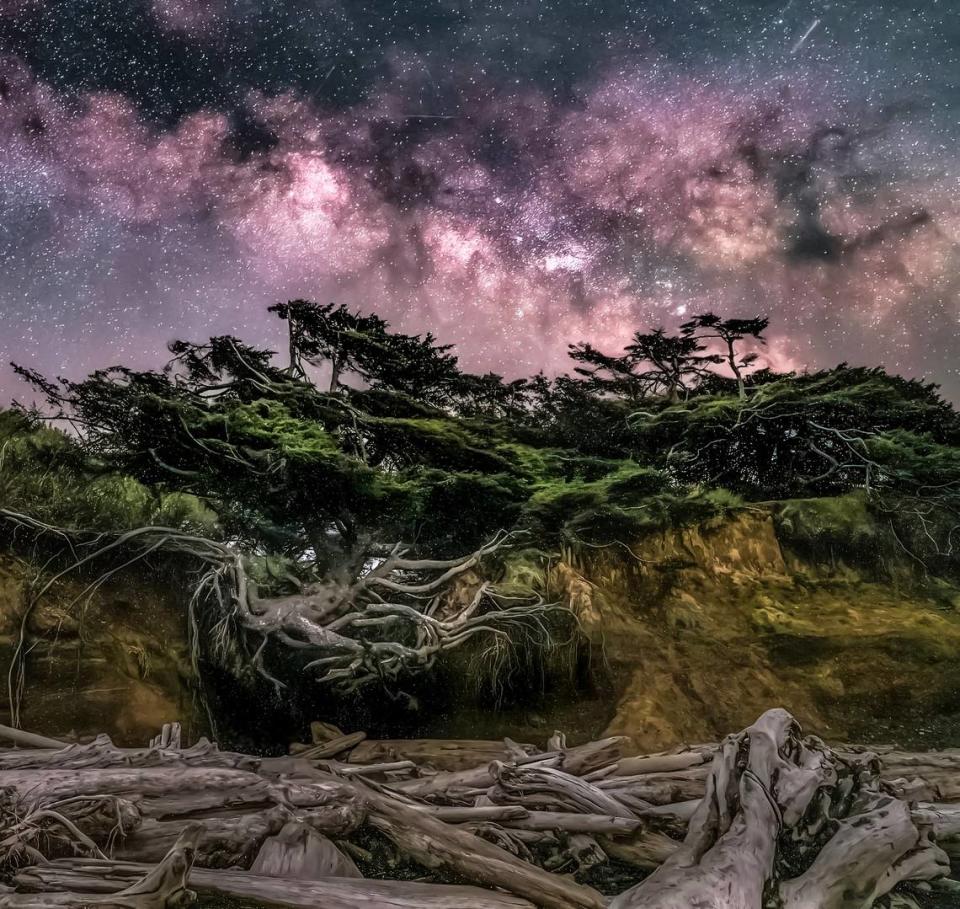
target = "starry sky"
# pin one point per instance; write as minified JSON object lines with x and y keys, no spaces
{"x":509,"y":175}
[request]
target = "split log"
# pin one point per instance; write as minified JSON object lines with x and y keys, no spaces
{"x":299,"y":853}
{"x":552,"y":790}
{"x":169,"y":738}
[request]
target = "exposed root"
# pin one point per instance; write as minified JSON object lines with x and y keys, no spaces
{"x":392,"y":617}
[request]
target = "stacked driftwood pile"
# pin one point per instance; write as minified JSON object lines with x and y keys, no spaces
{"x":765,"y":818}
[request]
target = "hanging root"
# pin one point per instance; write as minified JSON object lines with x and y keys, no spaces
{"x":381,"y":623}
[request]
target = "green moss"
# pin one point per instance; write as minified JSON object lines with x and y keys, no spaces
{"x":836,"y":528}
{"x":624,"y":506}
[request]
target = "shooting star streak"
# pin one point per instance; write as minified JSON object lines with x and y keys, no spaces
{"x":803,"y":38}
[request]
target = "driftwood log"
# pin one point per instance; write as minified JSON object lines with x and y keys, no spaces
{"x":161,"y":887}
{"x":767,"y":817}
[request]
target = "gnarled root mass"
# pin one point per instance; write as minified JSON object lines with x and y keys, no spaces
{"x":379,"y":617}
{"x":767,"y":819}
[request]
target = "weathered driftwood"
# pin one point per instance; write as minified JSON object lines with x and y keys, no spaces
{"x":165,"y":792}
{"x":169,"y":737}
{"x":332,"y":893}
{"x":766,"y":784}
{"x":224,"y":842}
{"x":871,"y":852}
{"x":552,"y":790}
{"x":462,"y":785}
{"x":161,"y":887}
{"x":766,"y":812}
{"x":439,"y":846}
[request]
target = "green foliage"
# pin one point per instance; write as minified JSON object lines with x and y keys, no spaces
{"x":622,"y":507}
{"x":225,"y":441}
{"x":800,"y":436}
{"x":829,"y":529}
{"x":44,"y":474}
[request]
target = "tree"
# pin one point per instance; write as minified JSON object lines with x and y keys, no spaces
{"x":609,"y":374}
{"x":330,"y":334}
{"x":674,"y":361}
{"x":729,"y":332}
{"x":364,"y":345}
{"x":415,"y":365}
{"x":653,"y":363}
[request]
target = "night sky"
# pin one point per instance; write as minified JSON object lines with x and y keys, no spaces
{"x":509,"y":175}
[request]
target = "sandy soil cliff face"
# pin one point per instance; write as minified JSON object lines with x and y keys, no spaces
{"x":706,"y":628}
{"x":712,"y":625}
{"x":117,"y":662}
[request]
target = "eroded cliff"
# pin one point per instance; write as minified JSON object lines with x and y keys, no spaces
{"x":113,"y":659}
{"x":705,"y":627}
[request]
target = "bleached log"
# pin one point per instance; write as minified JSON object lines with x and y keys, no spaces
{"x":664,"y":763}
{"x":658,"y":788}
{"x":224,"y":842}
{"x":499,"y":813}
{"x":172,"y":792}
{"x":332,"y":893}
{"x":440,"y":846}
{"x":25,"y":739}
{"x":101,"y":753}
{"x":161,"y":887}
